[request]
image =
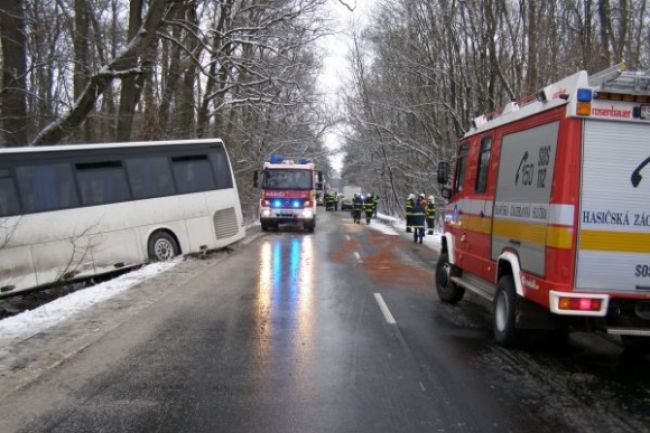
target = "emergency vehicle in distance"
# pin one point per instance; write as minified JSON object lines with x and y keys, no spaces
{"x":549,"y":207}
{"x":289,"y":192}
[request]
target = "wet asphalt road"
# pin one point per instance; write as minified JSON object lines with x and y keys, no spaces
{"x":286,"y":335}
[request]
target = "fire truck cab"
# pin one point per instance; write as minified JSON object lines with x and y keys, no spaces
{"x":288,"y":192}
{"x":549,"y":210}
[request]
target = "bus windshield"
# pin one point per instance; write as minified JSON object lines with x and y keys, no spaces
{"x":287,"y":179}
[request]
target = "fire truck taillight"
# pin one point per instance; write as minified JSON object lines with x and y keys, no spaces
{"x":580,"y":304}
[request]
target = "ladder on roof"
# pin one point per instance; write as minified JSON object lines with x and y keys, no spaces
{"x":617,"y":79}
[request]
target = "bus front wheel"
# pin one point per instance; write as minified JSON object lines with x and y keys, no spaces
{"x":162,"y":247}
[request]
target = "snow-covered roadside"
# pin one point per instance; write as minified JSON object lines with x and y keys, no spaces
{"x":26,"y":324}
{"x":398,"y":225}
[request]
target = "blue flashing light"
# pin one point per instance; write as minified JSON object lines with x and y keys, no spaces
{"x":296,"y":203}
{"x":277,"y":203}
{"x":585,"y":95}
{"x":276,"y":159}
{"x":303,"y":161}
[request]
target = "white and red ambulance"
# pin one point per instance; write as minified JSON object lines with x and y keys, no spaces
{"x":549,"y":210}
{"x":288,"y":192}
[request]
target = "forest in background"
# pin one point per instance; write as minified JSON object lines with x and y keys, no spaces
{"x":422,"y":69}
{"x":84,"y":71}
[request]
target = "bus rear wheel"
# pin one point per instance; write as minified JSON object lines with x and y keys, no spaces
{"x":162,"y":247}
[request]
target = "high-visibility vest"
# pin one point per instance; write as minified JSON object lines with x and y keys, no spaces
{"x":431,"y":210}
{"x":409,"y":206}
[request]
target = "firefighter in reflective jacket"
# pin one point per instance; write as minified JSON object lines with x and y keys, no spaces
{"x":431,"y":214}
{"x":331,"y":202}
{"x":418,"y":218}
{"x":410,"y":202}
{"x":374,"y":198}
{"x":357,"y":206}
{"x":369,"y":207}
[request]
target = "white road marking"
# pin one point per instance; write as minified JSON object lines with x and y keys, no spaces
{"x":348,"y":237}
{"x":384,"y":309}
{"x":358,"y":256}
{"x":422,"y":387}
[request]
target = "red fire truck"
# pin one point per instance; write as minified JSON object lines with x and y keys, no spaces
{"x":549,"y":210}
{"x":289,"y":192}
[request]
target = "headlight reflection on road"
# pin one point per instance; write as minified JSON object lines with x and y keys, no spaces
{"x":285,"y":307}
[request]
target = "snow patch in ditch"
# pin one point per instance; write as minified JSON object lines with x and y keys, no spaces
{"x":29,"y":323}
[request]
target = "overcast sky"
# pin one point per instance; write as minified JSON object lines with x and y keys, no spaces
{"x":335,"y":67}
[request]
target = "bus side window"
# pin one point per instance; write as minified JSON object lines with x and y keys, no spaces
{"x":8,"y":197}
{"x":46,"y":187}
{"x":461,"y":165}
{"x":150,"y":177}
{"x":102,"y":182}
{"x":483,"y":164}
{"x":221,"y":168}
{"x":192,"y":174}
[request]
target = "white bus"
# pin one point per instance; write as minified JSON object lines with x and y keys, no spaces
{"x":74,"y":211}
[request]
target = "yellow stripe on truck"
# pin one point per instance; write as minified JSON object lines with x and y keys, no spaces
{"x":476,"y":223}
{"x":559,"y":237}
{"x":620,"y":242}
{"x":540,"y":234}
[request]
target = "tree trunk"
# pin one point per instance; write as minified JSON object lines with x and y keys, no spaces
{"x":117,"y":68}
{"x":130,"y":92}
{"x":14,"y":68}
{"x":81,"y":40}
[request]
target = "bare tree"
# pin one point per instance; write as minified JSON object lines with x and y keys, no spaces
{"x":14,"y":68}
{"x":119,"y":67}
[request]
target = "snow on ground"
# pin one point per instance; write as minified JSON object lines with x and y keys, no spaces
{"x":26,"y":324}
{"x":398,"y":225}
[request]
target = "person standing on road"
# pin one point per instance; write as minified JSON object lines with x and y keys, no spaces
{"x":410,"y":202}
{"x":418,"y":218}
{"x":330,"y":201}
{"x":357,"y":207}
{"x":375,"y":204}
{"x":369,"y":207}
{"x":431,"y":214}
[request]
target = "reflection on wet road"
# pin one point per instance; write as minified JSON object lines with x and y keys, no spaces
{"x":285,"y":309}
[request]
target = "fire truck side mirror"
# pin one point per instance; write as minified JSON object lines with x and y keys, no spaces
{"x":443,"y":172}
{"x":255,"y":179}
{"x":319,"y":183}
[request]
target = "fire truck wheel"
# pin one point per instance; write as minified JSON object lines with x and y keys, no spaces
{"x":265,"y":227}
{"x":636,"y":344}
{"x":447,"y":291}
{"x":505,"y":311}
{"x":309,"y":227}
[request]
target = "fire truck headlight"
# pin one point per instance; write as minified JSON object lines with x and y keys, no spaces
{"x":266,"y":213}
{"x":307,"y":213}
